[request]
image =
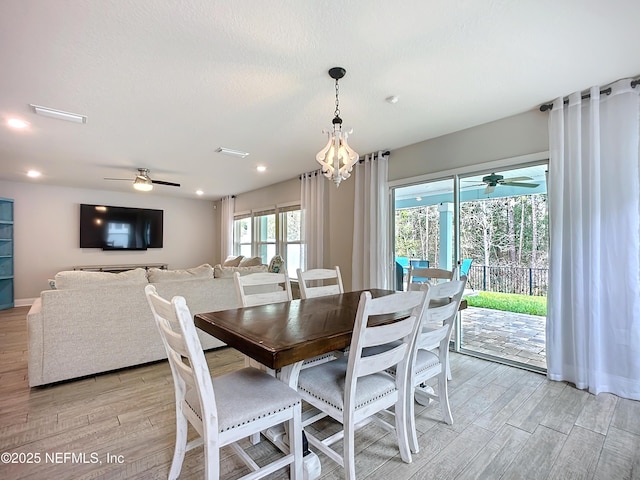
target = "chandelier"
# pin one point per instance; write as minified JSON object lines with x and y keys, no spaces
{"x":337,"y":158}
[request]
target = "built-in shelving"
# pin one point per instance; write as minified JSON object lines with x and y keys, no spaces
{"x":6,"y":253}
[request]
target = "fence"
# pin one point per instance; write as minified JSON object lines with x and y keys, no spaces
{"x":525,"y":281}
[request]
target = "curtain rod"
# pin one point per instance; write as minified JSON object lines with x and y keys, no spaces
{"x":317,"y":172}
{"x":373,"y":155}
{"x":607,"y":91}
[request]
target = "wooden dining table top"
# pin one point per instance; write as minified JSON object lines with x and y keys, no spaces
{"x":280,"y":334}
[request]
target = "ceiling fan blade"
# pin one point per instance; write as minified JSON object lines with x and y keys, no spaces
{"x":520,"y":184}
{"x":109,"y":178}
{"x":515,"y":179}
{"x":160,"y":182}
{"x":489,"y":189}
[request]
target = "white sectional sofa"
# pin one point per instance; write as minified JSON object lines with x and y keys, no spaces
{"x":95,"y":322}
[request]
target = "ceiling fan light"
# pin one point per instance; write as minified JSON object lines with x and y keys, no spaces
{"x":142,"y":184}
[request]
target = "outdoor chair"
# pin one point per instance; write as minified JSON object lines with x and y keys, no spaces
{"x":223,"y":409}
{"x":465,"y":267}
{"x":417,"y":264}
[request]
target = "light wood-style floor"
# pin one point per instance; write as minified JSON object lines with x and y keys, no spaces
{"x":508,"y":424}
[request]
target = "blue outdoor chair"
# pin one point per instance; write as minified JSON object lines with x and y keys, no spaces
{"x":465,"y":266}
{"x":419,"y":264}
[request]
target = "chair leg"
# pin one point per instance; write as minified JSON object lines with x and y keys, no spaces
{"x":411,"y":422}
{"x":211,"y":460}
{"x":404,"y":424}
{"x":181,"y":445}
{"x":448,"y":367}
{"x":296,"y":471}
{"x":349,"y":451}
{"x":443,"y":398}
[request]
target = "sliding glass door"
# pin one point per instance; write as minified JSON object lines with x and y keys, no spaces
{"x":493,"y":225}
{"x":424,"y":227}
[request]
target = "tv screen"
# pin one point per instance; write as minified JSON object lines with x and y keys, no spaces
{"x":120,"y":228}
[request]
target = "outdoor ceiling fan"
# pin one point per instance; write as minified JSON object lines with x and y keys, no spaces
{"x":493,"y":180}
{"x":143,"y":182}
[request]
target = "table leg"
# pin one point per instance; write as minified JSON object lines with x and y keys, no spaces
{"x":278,"y":435}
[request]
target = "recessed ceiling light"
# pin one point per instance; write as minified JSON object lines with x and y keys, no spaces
{"x":199,"y":192}
{"x":59,"y":114}
{"x":33,"y":173}
{"x":392,"y":99}
{"x":231,"y":151}
{"x":17,"y":123}
{"x":261,"y":168}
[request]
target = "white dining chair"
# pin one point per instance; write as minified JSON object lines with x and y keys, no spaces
{"x":417,"y":276}
{"x":319,"y":282}
{"x":432,"y":350}
{"x":431,"y":276}
{"x":430,"y":355}
{"x":354,"y":390}
{"x":223,"y":409}
{"x":262,"y":288}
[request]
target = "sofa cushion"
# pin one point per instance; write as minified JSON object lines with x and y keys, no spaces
{"x":232,"y":261}
{"x":79,"y":279}
{"x":227,"y":272}
{"x":250,"y":262}
{"x":156,"y":275}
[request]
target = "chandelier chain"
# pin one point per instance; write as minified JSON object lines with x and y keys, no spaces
{"x":337,"y":112}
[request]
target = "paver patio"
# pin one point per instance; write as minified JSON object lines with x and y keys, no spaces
{"x":513,"y":336}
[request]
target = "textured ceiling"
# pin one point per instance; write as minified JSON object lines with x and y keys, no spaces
{"x":165,"y":83}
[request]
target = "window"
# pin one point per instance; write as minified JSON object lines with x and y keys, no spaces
{"x":242,"y":236}
{"x":270,"y":232}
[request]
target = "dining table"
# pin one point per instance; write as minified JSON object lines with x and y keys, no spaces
{"x":281,"y":336}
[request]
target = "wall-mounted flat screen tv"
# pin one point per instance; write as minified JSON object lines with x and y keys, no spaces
{"x":120,"y":228}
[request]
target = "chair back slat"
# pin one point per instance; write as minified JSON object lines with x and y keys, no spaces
{"x":381,"y":361}
{"x":406,"y":329}
{"x":431,"y":275}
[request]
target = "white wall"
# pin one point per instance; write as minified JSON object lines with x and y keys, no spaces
{"x":515,"y":136}
{"x":276,"y":194}
{"x":46,"y":233}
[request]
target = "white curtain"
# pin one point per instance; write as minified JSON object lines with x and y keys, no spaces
{"x":370,"y":255}
{"x":312,"y":204}
{"x":226,"y":227}
{"x":593,"y":326}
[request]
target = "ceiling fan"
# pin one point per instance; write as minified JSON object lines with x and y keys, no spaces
{"x":493,"y":180}
{"x":143,"y":182}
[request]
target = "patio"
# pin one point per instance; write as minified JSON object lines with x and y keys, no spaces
{"x":512,"y":336}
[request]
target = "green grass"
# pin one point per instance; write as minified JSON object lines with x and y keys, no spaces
{"x":509,"y":302}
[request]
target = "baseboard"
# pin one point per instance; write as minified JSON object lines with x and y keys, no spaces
{"x":24,"y":302}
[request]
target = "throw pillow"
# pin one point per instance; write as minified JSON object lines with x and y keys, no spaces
{"x":156,"y":275}
{"x":232,"y":261}
{"x":276,"y":265}
{"x":250,"y":262}
{"x":80,"y":279}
